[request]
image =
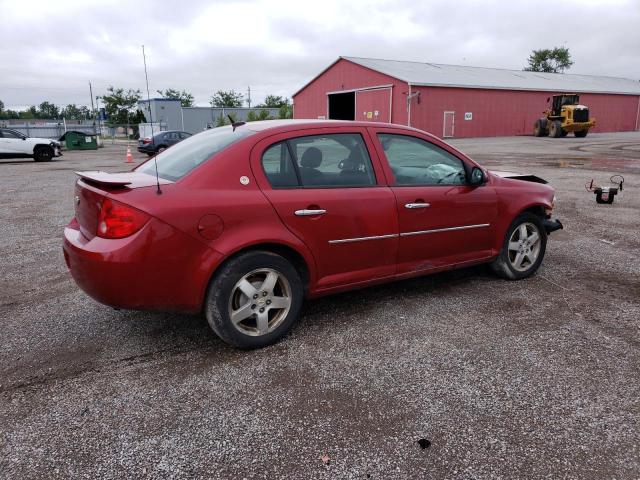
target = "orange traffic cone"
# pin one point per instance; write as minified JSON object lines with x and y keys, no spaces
{"x":129,"y":156}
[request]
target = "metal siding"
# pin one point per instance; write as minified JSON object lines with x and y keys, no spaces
{"x":505,"y":112}
{"x":311,"y":101}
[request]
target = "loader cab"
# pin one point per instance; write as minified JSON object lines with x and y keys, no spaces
{"x":560,"y":101}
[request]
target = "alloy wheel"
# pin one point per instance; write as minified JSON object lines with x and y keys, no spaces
{"x":259,"y":302}
{"x":524,"y":247}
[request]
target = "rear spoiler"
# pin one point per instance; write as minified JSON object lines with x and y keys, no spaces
{"x":125,"y":179}
{"x":105,"y":178}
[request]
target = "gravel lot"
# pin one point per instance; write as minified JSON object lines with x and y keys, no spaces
{"x":530,"y":379}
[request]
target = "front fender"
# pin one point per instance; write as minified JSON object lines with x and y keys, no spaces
{"x":515,"y":197}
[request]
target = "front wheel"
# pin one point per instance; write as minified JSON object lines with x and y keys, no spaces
{"x":581,"y":133}
{"x":555,"y":129}
{"x":523,"y":249}
{"x":254,"y":300}
{"x":43,"y":154}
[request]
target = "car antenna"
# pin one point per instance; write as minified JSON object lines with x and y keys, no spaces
{"x":235,"y":124}
{"x":155,"y":160}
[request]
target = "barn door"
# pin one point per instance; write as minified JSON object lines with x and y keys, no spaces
{"x":374,"y":105}
{"x":449,"y":124}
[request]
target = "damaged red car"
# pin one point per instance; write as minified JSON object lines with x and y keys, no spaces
{"x":244,"y":222}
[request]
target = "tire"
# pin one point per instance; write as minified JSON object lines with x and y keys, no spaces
{"x":161,"y":149}
{"x":564,"y":133}
{"x":248,"y":273}
{"x":42,"y":154}
{"x":511,"y":263}
{"x":540,"y":128}
{"x":581,"y":133}
{"x":555,"y":129}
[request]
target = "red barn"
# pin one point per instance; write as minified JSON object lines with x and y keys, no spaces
{"x":459,"y":101}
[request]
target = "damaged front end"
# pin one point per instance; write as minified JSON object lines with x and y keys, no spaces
{"x":550,"y":225}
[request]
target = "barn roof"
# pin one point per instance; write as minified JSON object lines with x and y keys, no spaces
{"x":433,"y":74}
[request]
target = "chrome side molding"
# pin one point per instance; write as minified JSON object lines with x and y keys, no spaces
{"x":449,"y":229}
{"x":363,"y":239}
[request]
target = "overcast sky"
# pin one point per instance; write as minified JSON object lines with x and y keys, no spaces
{"x":49,"y":50}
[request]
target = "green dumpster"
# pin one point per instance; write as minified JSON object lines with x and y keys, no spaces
{"x":80,"y":141}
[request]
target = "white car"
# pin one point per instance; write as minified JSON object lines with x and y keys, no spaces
{"x":14,"y":144}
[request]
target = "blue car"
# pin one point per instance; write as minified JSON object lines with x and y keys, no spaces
{"x":161,"y":141}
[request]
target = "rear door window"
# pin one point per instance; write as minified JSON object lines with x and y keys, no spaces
{"x":278,"y":166}
{"x":336,"y":160}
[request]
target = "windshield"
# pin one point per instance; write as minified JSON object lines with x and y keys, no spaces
{"x":175,"y":162}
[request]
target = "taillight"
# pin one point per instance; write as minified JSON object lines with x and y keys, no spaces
{"x":146,"y":140}
{"x":117,"y":220}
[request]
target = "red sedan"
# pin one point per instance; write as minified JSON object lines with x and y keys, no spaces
{"x":244,"y":222}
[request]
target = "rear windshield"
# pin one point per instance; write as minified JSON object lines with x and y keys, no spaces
{"x":175,"y":162}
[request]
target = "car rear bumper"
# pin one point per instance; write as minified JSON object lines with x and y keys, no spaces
{"x":157,"y":268}
{"x":146,"y":148}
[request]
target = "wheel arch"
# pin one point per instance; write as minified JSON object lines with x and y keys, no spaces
{"x":41,"y":145}
{"x":297,"y":259}
{"x":537,"y":208}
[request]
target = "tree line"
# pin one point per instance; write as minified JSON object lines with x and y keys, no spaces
{"x":121,"y":106}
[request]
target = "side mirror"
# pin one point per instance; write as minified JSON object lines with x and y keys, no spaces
{"x":476,"y":177}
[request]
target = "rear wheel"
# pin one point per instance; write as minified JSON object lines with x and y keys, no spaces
{"x":523,"y":249}
{"x":42,"y":154}
{"x":540,"y":128}
{"x":254,"y":300}
{"x":555,"y":129}
{"x":581,"y":133}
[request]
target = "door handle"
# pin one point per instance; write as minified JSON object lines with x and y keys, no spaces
{"x":417,"y":205}
{"x":307,"y":213}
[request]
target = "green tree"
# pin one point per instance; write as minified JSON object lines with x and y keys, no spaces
{"x":550,"y":60}
{"x":72,"y":112}
{"x":1,"y":108}
{"x":120,"y":104}
{"x":84,"y":111}
{"x":227,"y":99}
{"x":253,"y":116}
{"x":29,"y":114}
{"x":186,"y":99}
{"x":273,"y":101}
{"x":286,"y":111}
{"x":47,"y":110}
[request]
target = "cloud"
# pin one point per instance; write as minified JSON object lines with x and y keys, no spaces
{"x":277,"y":46}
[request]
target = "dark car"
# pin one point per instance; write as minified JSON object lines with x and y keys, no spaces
{"x":161,"y":141}
{"x":244,"y":222}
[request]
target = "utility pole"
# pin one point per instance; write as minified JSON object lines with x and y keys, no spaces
{"x":249,"y":96}
{"x":99,"y":122}
{"x":92,"y":109}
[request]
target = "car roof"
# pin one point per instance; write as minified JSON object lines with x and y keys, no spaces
{"x":295,"y":124}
